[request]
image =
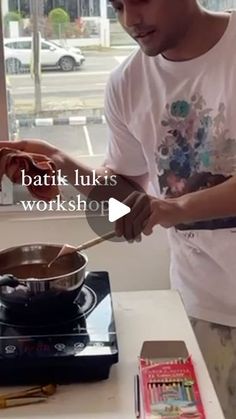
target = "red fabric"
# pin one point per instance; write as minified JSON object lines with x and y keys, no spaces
{"x":12,"y":162}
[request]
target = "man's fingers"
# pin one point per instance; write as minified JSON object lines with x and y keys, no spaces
{"x":151,"y":222}
{"x":140,"y":221}
{"x":120,"y":224}
{"x":138,"y":239}
{"x":139,"y":212}
{"x":130,"y":226}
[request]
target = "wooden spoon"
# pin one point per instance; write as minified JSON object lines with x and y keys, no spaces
{"x":67,"y":249}
{"x":47,"y":390}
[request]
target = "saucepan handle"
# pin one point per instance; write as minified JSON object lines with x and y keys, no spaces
{"x":9,"y":281}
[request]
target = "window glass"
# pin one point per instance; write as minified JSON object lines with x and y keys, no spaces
{"x":68,"y":108}
{"x":45,"y":46}
{"x":12,"y":45}
{"x":23,"y":45}
{"x":18,"y":45}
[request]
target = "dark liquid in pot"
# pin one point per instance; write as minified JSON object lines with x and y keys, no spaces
{"x":34,"y":270}
{"x":38,"y":270}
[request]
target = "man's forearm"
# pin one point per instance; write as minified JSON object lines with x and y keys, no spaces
{"x":212,"y":203}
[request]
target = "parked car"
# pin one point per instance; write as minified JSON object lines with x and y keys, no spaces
{"x":18,"y":54}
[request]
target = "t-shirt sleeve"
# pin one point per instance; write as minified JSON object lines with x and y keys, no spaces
{"x":124,"y":153}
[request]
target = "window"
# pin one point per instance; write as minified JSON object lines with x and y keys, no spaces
{"x":12,"y":45}
{"x":22,"y":6}
{"x":46,"y":46}
{"x":72,"y":83}
{"x":18,"y":45}
{"x":68,"y":110}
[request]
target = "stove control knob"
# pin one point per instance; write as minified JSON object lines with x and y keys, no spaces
{"x":98,"y":344}
{"x":59,"y":347}
{"x":79,"y":345}
{"x":10,"y":349}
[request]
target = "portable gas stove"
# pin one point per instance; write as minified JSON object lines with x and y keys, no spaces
{"x":77,"y":345}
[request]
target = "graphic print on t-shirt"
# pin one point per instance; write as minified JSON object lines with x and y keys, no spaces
{"x":196,"y":151}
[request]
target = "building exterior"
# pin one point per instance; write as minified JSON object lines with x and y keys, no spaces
{"x":75,"y":8}
{"x":78,"y":8}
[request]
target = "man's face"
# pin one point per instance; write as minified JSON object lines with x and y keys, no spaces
{"x":157,"y":25}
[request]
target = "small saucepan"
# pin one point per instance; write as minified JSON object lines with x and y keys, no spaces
{"x":28,"y":284}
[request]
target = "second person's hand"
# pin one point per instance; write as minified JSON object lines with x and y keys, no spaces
{"x":33,"y":146}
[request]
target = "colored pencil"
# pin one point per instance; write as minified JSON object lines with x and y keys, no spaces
{"x":137,"y":396}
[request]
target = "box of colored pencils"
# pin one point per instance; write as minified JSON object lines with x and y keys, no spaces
{"x":169,"y":388}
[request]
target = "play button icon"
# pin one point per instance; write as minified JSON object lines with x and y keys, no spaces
{"x":116,"y":210}
{"x":105,"y":204}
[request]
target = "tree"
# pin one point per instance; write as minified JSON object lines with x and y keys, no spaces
{"x":10,"y":17}
{"x":59,"y":20}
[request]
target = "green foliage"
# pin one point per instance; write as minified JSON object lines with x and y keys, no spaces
{"x":59,"y":20}
{"x":59,"y":15}
{"x":12,"y":17}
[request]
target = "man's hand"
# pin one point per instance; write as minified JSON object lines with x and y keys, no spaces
{"x":147,"y":212}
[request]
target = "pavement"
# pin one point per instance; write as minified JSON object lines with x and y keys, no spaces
{"x":80,"y":92}
{"x":51,"y":107}
{"x":80,"y":141}
{"x":85,"y":143}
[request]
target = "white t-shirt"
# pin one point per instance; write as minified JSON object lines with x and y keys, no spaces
{"x":177,"y":121}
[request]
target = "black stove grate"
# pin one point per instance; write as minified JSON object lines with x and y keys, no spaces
{"x":78,"y":347}
{"x":68,"y":316}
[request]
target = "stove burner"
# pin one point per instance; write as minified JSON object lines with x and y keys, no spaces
{"x":79,"y":345}
{"x":87,"y":300}
{"x":77,"y":311}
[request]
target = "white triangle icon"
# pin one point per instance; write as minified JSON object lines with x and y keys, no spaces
{"x":116,"y":210}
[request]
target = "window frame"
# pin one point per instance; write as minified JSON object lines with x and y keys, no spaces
{"x":6,"y":192}
{"x":8,"y":208}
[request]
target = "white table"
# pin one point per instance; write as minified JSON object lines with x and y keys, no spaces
{"x":142,"y":315}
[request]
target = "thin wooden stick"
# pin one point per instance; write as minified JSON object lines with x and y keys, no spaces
{"x":4,"y":403}
{"x":47,"y":390}
{"x":67,"y":249}
{"x":94,"y":242}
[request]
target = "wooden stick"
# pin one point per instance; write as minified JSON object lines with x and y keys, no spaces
{"x":67,"y":249}
{"x":4,"y":403}
{"x":93,"y":242}
{"x":47,"y":390}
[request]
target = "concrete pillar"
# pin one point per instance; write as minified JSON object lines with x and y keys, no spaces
{"x":5,"y":7}
{"x":105,"y":33}
{"x":105,"y":25}
{"x":103,"y":8}
{"x":6,"y":187}
{"x":14,"y":29}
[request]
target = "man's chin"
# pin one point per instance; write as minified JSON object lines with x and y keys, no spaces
{"x":150,"y":51}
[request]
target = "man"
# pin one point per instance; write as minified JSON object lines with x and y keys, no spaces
{"x":170,"y":113}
